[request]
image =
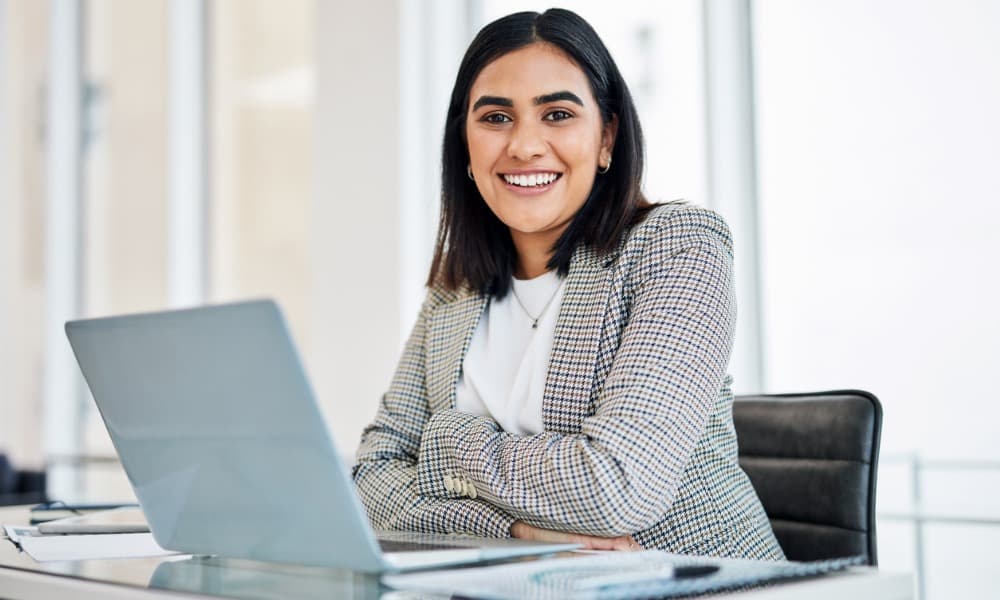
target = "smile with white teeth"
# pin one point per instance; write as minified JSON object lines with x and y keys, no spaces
{"x":533,"y":180}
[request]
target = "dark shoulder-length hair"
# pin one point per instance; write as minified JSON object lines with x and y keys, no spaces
{"x":474,"y":248}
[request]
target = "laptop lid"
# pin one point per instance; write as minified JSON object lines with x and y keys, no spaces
{"x":216,"y":426}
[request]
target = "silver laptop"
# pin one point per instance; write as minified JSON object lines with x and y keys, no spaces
{"x":217,"y":428}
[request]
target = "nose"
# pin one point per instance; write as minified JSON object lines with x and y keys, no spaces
{"x":527,"y":141}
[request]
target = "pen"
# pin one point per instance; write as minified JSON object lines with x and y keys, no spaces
{"x":694,"y":571}
{"x":666,"y":573}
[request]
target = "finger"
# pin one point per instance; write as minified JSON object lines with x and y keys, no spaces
{"x":599,"y":543}
{"x":588,"y":543}
{"x":623,"y":543}
{"x":547,"y":535}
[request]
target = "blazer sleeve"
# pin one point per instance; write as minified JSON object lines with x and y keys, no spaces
{"x":620,"y":474}
{"x":386,"y":472}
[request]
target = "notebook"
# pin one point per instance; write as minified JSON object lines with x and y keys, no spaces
{"x":118,"y":520}
{"x":217,"y":428}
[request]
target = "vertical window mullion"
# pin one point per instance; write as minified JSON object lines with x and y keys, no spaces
{"x":63,"y":241}
{"x":186,"y":154}
{"x":732,"y":176}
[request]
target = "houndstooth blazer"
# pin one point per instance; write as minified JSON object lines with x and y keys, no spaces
{"x":637,"y":410}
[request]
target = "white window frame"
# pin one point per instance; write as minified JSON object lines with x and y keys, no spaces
{"x":62,"y":399}
{"x":732,"y":171}
{"x":65,"y":402}
{"x":187,"y":141}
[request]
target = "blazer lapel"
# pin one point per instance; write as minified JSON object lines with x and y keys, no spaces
{"x":449,"y":334}
{"x":569,"y":384}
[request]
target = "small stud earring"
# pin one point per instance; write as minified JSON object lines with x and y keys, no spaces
{"x":468,"y":171}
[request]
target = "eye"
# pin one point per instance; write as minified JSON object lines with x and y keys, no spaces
{"x":496,"y":118}
{"x":558,"y":115}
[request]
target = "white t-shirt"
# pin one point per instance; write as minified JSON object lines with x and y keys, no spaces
{"x":503,"y":374}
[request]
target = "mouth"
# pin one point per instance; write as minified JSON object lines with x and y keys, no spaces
{"x":530,"y":181}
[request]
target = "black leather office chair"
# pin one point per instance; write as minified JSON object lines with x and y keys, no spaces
{"x":20,"y":486}
{"x":813,"y":460}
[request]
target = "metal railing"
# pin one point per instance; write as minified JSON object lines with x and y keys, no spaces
{"x":920,"y":517}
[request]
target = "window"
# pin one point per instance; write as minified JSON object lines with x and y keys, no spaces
{"x":878,"y":141}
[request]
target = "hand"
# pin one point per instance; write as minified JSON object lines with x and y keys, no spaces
{"x":522,"y":530}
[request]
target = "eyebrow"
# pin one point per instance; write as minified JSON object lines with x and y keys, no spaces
{"x":492,"y":101}
{"x":538,"y":100}
{"x":557,"y":97}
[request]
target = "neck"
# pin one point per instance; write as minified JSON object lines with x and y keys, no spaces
{"x":533,"y":254}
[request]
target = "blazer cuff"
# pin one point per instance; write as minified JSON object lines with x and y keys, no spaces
{"x":469,"y":517}
{"x":447,"y":434}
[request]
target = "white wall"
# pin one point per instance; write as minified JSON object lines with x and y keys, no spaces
{"x":356,"y":340}
{"x":6,"y":212}
{"x":879,"y":156}
{"x":374,"y":235}
{"x":433,"y":37}
{"x":23,"y":60}
{"x":880,"y":146}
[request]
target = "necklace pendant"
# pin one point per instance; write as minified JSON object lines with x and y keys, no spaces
{"x":534,"y":325}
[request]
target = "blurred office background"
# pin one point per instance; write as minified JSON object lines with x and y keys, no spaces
{"x":158,"y":153}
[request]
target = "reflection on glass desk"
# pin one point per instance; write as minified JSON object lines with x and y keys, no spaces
{"x":246,"y":579}
{"x":207,"y":577}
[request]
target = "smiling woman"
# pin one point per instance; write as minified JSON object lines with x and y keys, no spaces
{"x":566,"y":377}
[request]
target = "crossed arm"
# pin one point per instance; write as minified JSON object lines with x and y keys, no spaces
{"x":619,"y":474}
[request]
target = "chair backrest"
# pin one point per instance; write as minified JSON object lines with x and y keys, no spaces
{"x":813,"y":460}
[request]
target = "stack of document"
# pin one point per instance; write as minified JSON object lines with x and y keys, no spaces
{"x":121,"y":533}
{"x":119,"y":520}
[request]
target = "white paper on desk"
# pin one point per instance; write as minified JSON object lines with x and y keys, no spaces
{"x":16,"y":532}
{"x":45,"y":548}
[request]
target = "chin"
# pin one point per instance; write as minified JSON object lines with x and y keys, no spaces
{"x":530,"y":225}
{"x":528,"y":218}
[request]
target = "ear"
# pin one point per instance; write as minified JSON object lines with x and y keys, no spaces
{"x":608,"y":135}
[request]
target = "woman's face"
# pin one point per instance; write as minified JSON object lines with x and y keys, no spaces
{"x":535,"y":141}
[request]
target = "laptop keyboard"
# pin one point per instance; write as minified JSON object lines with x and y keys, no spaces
{"x":392,"y":546}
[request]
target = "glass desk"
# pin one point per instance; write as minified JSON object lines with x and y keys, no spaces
{"x":212,"y":577}
{"x":144,"y":577}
